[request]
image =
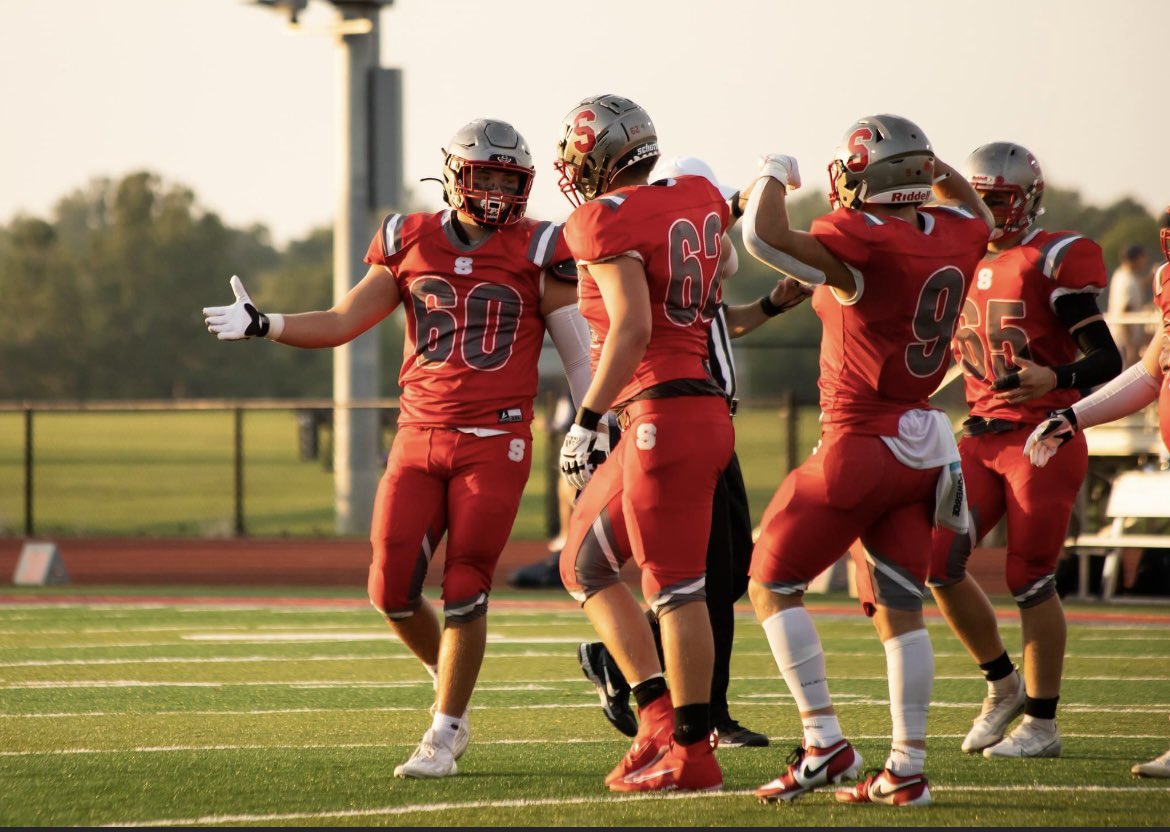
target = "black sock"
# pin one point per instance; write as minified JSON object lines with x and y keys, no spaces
{"x":998,"y":668}
{"x":1041,"y":708}
{"x":692,"y":723}
{"x":646,"y":692}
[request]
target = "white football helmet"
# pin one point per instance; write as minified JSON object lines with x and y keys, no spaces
{"x":1010,"y":172}
{"x":883,"y":159}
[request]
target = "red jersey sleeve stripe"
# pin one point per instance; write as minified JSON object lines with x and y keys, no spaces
{"x":544,"y":237}
{"x":1054,"y":253}
{"x":392,"y":234}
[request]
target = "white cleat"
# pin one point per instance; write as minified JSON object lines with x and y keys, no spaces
{"x":430,"y":760}
{"x":1157,"y":767}
{"x":995,"y":717}
{"x":462,"y":736}
{"x":1028,"y":740}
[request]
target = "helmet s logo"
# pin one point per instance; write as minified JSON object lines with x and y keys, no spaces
{"x":858,"y":152}
{"x":586,"y":138}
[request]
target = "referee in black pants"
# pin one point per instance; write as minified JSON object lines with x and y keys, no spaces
{"x":729,"y":547}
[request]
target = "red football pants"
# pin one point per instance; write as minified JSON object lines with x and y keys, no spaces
{"x":437,"y":481}
{"x":651,"y":500}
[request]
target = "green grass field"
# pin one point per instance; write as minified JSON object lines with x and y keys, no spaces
{"x":182,"y":713}
{"x":170,"y":474}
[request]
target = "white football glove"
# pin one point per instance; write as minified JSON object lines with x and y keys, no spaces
{"x":1049,"y":435}
{"x":783,"y":169}
{"x":240,"y":320}
{"x":582,"y":451}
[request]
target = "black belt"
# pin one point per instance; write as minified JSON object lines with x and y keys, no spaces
{"x":623,"y":416}
{"x":977,"y":426}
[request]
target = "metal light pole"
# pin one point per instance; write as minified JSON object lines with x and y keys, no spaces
{"x":356,"y":365}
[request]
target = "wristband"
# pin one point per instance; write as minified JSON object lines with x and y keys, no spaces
{"x":736,"y":208}
{"x":770,"y":309}
{"x":275,"y":326}
{"x":588,"y":419}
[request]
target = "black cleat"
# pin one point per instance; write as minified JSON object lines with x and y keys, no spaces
{"x":733,"y":735}
{"x":600,"y":669}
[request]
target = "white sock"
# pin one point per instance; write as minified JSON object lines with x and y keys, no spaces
{"x":1002,"y":687}
{"x":433,"y":670}
{"x":445,"y":727}
{"x":905,"y":760}
{"x":1046,"y":726}
{"x":796,"y":647}
{"x":822,"y":731}
{"x":910,"y":671}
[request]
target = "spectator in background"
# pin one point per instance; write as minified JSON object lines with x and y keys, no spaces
{"x":1129,"y":291}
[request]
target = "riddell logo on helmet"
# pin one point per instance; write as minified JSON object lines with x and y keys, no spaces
{"x":911,"y":196}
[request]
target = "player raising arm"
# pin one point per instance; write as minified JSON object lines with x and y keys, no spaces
{"x":480,"y":286}
{"x":890,"y":274}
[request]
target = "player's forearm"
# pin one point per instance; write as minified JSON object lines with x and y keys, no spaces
{"x":952,"y":186}
{"x":321,"y":329}
{"x":620,"y":354}
{"x":743,"y":319}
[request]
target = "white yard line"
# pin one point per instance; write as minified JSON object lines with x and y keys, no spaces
{"x":432,"y":808}
{"x":614,"y":740}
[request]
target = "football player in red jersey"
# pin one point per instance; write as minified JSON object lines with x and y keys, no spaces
{"x":649,"y":260}
{"x":890,"y":276}
{"x":1032,"y":307}
{"x":1133,"y":390}
{"x":479,"y":283}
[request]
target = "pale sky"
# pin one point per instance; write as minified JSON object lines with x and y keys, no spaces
{"x":219,"y":96}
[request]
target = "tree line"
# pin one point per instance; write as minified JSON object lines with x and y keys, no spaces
{"x":102,"y":299}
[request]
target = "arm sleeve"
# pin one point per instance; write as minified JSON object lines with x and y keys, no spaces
{"x":570,"y":335}
{"x":1130,"y":392}
{"x":764,"y":252}
{"x":1101,"y":359}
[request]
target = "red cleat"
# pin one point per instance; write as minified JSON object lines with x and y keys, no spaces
{"x":684,"y":767}
{"x":886,"y":787}
{"x":811,"y":768}
{"x":656,"y":727}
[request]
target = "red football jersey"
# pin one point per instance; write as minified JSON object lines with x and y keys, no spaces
{"x":1162,"y":301}
{"x":1010,"y":311}
{"x":886,"y":350}
{"x":473,"y":323}
{"x":675,"y":228}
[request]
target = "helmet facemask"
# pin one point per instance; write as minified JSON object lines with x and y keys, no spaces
{"x":489,"y":207}
{"x":1164,"y":235}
